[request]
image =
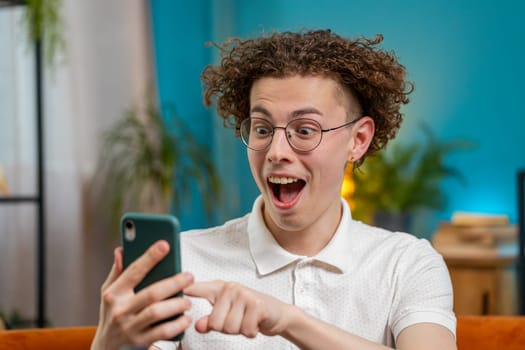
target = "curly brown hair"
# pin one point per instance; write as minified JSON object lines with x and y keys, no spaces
{"x":375,"y":76}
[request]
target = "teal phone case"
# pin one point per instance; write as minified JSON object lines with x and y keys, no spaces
{"x":148,"y":229}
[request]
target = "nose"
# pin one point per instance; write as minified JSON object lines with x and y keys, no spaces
{"x":280,"y":148}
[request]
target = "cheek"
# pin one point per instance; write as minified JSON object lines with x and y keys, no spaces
{"x":331,"y":168}
{"x":256,"y":161}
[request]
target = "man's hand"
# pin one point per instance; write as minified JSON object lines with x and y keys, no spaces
{"x":239,"y":310}
{"x":126,"y":317}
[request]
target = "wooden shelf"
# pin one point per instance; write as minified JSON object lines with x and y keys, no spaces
{"x":20,"y":199}
{"x":483,"y":279}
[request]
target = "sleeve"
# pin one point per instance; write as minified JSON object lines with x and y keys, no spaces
{"x":423,"y":291}
{"x":166,"y":345}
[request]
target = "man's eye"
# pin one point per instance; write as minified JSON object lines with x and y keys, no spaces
{"x":262,"y":130}
{"x":305,"y":131}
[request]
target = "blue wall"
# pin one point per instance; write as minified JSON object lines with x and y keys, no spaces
{"x":180,"y":29}
{"x":465,"y":58}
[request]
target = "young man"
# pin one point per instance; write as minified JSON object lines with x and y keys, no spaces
{"x":297,"y":272}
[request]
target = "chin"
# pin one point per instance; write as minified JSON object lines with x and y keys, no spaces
{"x":286,"y":220}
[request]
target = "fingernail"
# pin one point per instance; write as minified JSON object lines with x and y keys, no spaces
{"x":188,"y":276}
{"x":163,"y":247}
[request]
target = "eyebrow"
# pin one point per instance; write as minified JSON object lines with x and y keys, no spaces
{"x":295,"y":114}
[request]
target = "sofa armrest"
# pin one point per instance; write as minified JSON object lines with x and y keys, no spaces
{"x":77,"y":338}
{"x":491,"y":332}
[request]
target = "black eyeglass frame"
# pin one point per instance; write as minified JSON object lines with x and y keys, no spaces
{"x":321,"y":130}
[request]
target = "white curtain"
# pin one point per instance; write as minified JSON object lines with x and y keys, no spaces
{"x":18,"y":161}
{"x":106,"y":69}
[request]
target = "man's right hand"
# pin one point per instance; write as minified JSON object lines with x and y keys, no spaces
{"x":126,"y":317}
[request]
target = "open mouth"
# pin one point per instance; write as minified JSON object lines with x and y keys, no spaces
{"x":285,"y":189}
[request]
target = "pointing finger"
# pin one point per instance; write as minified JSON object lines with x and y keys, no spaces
{"x":206,"y":290}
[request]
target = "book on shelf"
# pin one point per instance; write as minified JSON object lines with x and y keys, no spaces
{"x":474,"y":233}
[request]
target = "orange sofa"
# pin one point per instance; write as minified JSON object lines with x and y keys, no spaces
{"x":491,"y":333}
{"x":71,"y":338}
{"x":473,"y":333}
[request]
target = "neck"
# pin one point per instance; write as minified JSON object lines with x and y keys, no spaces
{"x":311,"y":239}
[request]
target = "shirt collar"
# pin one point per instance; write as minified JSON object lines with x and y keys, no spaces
{"x":269,"y":256}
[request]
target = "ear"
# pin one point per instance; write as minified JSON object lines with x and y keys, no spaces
{"x":362,"y":135}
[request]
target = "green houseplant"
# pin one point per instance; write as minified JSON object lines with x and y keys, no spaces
{"x":391,"y":185}
{"x":44,"y":22}
{"x":148,"y":162}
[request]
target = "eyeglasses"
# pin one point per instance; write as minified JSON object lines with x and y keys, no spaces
{"x":302,"y":134}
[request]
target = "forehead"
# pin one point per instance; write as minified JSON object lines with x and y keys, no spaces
{"x":320,"y":91}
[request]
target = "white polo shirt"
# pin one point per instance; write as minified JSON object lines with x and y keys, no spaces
{"x":367,"y":281}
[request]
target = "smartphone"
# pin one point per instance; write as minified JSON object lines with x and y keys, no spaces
{"x":138,"y":232}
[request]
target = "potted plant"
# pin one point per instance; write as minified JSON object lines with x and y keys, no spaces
{"x":43,"y":18}
{"x":148,"y":162}
{"x":44,"y":24}
{"x":390,"y":186}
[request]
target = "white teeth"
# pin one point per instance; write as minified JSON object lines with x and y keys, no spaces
{"x":281,"y":180}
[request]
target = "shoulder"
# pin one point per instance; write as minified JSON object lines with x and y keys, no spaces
{"x":417,"y":276}
{"x":220,"y":252}
{"x":399,"y":257}
{"x":397,"y":245}
{"x":216,"y":242}
{"x":234,"y":227}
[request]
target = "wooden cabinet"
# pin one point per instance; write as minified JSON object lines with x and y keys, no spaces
{"x":483,"y":285}
{"x":483,"y":274}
